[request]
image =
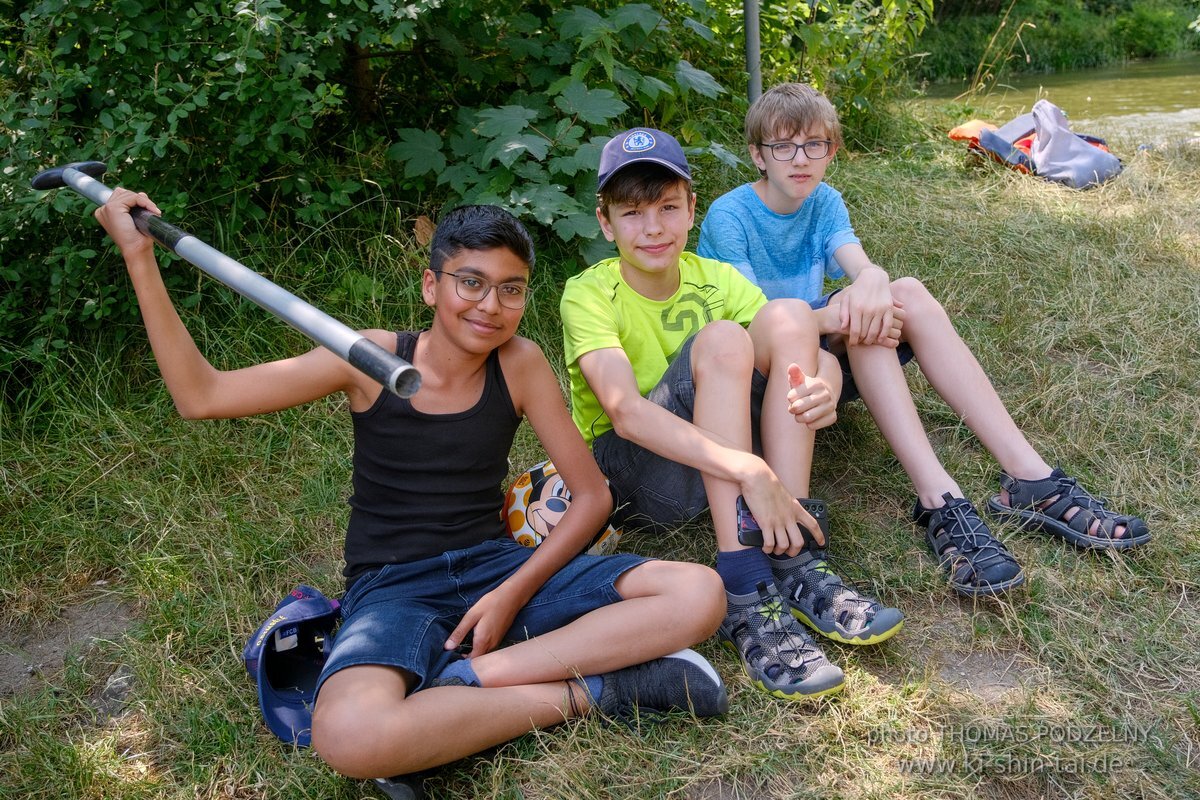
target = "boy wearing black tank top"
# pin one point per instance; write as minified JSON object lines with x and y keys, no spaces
{"x":428,"y":559}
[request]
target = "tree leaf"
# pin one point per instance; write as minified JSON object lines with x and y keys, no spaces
{"x":724,"y":155}
{"x":652,"y":88}
{"x":460,"y":177}
{"x":640,"y":14}
{"x":700,"y":29}
{"x":580,"y":224}
{"x":595,"y":106}
{"x":696,"y":80}
{"x":508,"y":149}
{"x":504,"y":121}
{"x":420,"y":152}
{"x":578,"y":21}
{"x":544,"y":202}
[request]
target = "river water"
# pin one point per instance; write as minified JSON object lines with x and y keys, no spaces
{"x":1143,"y":102}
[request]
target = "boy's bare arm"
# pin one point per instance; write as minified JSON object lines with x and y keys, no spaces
{"x":610,"y":376}
{"x":537,"y":396}
{"x":201,"y":391}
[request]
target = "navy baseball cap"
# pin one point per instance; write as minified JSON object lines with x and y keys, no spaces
{"x":285,"y":656}
{"x":639,"y":145}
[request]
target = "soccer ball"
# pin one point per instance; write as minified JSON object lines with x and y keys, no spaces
{"x":535,"y":504}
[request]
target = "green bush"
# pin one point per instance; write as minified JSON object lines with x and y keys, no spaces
{"x":250,"y":121}
{"x":1054,"y":36}
{"x":283,"y":114}
{"x":856,"y":52}
{"x":1148,"y":31}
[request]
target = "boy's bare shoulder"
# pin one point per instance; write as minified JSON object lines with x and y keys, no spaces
{"x":379,"y":336}
{"x":519,"y":350}
{"x":527,"y":372}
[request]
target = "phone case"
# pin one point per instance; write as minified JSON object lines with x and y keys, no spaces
{"x":750,"y":534}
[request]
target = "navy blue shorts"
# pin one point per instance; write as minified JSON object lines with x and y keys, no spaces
{"x":849,"y":390}
{"x":401,"y":615}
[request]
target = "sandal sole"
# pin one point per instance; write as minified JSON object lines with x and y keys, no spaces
{"x":989,"y":589}
{"x":859,"y":641}
{"x":1031,"y":520}
{"x":796,"y":696}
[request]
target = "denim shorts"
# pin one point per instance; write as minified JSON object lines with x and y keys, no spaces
{"x":401,"y":615}
{"x":849,"y":389}
{"x":656,"y":493}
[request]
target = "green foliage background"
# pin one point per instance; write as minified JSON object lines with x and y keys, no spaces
{"x":1049,"y":35}
{"x":259,"y":122}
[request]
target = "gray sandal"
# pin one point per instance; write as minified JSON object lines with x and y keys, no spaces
{"x":1044,"y":505}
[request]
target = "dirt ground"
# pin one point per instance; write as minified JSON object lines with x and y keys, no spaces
{"x":27,"y":656}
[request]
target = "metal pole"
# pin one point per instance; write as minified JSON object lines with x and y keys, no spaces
{"x":396,"y":374}
{"x":753,"y":48}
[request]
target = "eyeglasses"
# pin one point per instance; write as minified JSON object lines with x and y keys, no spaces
{"x":786,"y":151}
{"x":474,"y":289}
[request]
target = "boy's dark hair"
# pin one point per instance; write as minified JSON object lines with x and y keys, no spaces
{"x":479,"y":228}
{"x":638,"y":184}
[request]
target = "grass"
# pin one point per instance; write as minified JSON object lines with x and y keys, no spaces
{"x":1082,"y":306}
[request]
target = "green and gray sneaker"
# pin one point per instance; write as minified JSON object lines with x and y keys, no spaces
{"x":823,"y":602}
{"x":778,"y":655}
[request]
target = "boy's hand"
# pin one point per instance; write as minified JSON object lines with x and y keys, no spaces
{"x":490,"y":619}
{"x":891,"y":338}
{"x":810,"y":401}
{"x":115,"y":219}
{"x":867,"y":308}
{"x":779,"y":515}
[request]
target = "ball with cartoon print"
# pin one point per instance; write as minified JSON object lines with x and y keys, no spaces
{"x":535,"y":504}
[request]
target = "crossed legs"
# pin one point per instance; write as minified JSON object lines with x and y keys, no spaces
{"x":368,"y":723}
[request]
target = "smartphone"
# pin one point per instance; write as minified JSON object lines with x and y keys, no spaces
{"x":750,"y":534}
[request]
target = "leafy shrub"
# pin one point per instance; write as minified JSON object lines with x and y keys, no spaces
{"x":248,"y":121}
{"x":1062,"y":35}
{"x":280,"y":113}
{"x":1147,"y":31}
{"x":855,"y":52}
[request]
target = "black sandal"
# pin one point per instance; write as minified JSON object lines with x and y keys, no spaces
{"x":978,"y":563}
{"x":1044,"y":505}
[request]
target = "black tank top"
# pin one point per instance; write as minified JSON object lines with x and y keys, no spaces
{"x":428,"y":483}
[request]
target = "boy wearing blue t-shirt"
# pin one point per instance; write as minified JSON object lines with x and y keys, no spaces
{"x":677,"y":365}
{"x":787,"y":232}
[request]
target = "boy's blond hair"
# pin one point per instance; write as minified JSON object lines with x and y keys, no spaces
{"x":788,"y":109}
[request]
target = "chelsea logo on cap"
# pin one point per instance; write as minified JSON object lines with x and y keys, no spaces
{"x":638,"y":142}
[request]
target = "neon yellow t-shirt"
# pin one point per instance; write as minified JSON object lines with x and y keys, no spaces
{"x":600,"y":310}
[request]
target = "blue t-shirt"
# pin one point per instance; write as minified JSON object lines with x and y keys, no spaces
{"x":787,"y":255}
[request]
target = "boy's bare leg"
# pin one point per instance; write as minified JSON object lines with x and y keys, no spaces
{"x":722,"y":366}
{"x":956,"y":376}
{"x":667,"y":606}
{"x":880,"y":380}
{"x":785,"y":333}
{"x":367,"y":725}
